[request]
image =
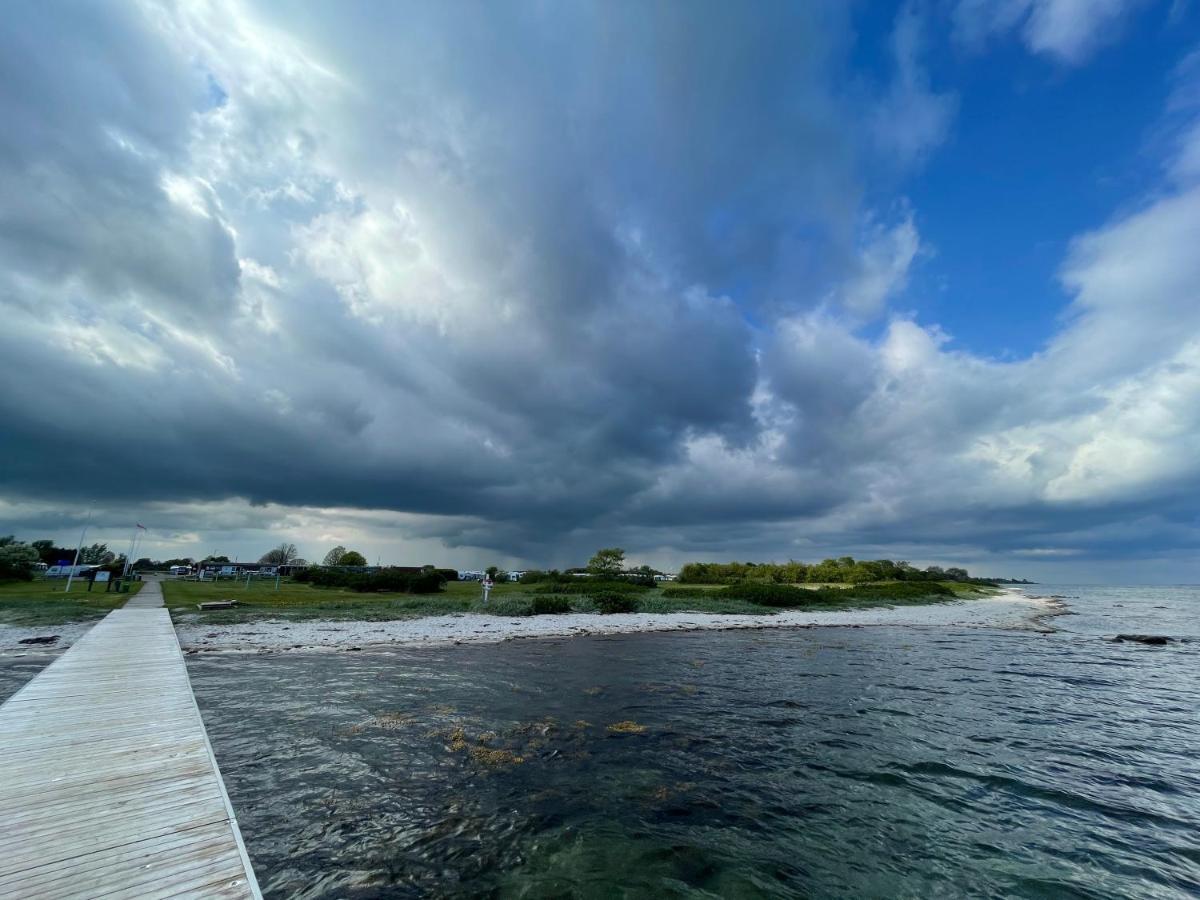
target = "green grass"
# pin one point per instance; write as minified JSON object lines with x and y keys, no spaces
{"x":296,"y":602}
{"x":44,"y":602}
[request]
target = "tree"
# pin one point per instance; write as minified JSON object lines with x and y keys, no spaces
{"x":17,"y":561}
{"x":334,"y":556}
{"x":94,"y":555}
{"x":52,"y":555}
{"x":352,"y":558}
{"x":280,"y":556}
{"x":609,"y":561}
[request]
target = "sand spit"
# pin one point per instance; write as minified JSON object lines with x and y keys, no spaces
{"x":1012,"y":609}
{"x":1009,"y":609}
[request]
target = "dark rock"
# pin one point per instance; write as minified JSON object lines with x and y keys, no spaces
{"x":51,"y":639}
{"x":1156,"y":639}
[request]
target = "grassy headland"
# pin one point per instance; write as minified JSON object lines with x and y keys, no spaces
{"x":300,"y":602}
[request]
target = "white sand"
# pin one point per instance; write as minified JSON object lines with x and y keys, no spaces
{"x":1010,"y":609}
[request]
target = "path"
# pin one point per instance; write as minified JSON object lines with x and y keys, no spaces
{"x":108,"y":784}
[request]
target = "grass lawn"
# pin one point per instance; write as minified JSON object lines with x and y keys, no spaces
{"x":300,"y":601}
{"x":44,"y":601}
{"x":260,"y":600}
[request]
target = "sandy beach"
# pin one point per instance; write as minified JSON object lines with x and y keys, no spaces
{"x":1012,"y":608}
{"x":1009,"y":609}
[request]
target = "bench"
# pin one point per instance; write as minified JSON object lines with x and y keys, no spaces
{"x":217,"y":604}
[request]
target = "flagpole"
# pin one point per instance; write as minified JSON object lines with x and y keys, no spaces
{"x":71,"y":576}
{"x":129,"y":555}
{"x":137,"y":527}
{"x":133,"y":553}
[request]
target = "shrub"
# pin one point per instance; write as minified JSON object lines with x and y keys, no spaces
{"x":391,"y":580}
{"x":609,"y":602}
{"x":428,"y":581}
{"x":509,"y":606}
{"x":590,"y":586}
{"x":448,"y":574}
{"x":17,"y":561}
{"x":680,"y":593}
{"x":549,"y":606}
{"x":781,"y":595}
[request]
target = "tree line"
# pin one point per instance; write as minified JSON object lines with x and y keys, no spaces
{"x":843,"y":570}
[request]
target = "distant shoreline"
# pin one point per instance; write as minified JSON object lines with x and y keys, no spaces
{"x":1011,"y":608}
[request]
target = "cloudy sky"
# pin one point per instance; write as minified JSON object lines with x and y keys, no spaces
{"x":473,"y":282}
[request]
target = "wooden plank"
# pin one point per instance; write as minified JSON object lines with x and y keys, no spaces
{"x":108,"y":784}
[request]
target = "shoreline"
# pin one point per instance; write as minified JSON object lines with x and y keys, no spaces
{"x":1010,"y":609}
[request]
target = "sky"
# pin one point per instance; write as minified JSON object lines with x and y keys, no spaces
{"x":469,"y":283}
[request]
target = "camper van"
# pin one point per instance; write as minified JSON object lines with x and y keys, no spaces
{"x":65,"y":571}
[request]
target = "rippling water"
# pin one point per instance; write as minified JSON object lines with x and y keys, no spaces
{"x":827,"y":762}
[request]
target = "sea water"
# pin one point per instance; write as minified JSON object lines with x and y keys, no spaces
{"x":825,"y":762}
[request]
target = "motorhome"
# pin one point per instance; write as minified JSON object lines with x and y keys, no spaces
{"x":65,"y":571}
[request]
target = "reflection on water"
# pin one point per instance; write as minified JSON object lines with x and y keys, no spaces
{"x":828,"y":762}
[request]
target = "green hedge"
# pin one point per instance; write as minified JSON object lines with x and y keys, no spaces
{"x":681,"y":593}
{"x":590,"y":586}
{"x":611,"y":602}
{"x":783,"y":595}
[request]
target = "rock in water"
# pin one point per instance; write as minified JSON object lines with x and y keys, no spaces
{"x":1155,"y":639}
{"x":51,"y":639}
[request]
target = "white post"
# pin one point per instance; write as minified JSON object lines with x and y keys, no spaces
{"x":129,"y":556}
{"x":71,"y":576}
{"x":137,"y":540}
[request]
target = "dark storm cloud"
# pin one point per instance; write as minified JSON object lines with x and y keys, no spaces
{"x":537,"y":279}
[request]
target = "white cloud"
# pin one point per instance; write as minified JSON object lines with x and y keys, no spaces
{"x":882,"y":266}
{"x":911,"y":119}
{"x":1068,"y":30}
{"x":364,"y":288}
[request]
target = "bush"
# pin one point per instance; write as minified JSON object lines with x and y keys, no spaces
{"x":590,"y":586}
{"x":779,"y":595}
{"x":509,"y":606}
{"x":17,"y":561}
{"x":610,"y":602}
{"x":681,"y":593}
{"x":549,"y":606}
{"x":448,"y":574}
{"x":390,"y":580}
{"x":782,"y":595}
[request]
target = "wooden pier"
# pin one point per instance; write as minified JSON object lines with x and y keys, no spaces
{"x":108,"y":784}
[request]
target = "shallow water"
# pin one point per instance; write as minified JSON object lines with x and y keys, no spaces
{"x":841,"y":762}
{"x":18,"y":668}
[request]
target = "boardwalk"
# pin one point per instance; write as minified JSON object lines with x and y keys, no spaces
{"x":108,"y":785}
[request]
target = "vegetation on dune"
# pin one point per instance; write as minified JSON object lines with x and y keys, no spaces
{"x":844,"y":570}
{"x":789,"y":596}
{"x":593,"y":586}
{"x":609,"y":602}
